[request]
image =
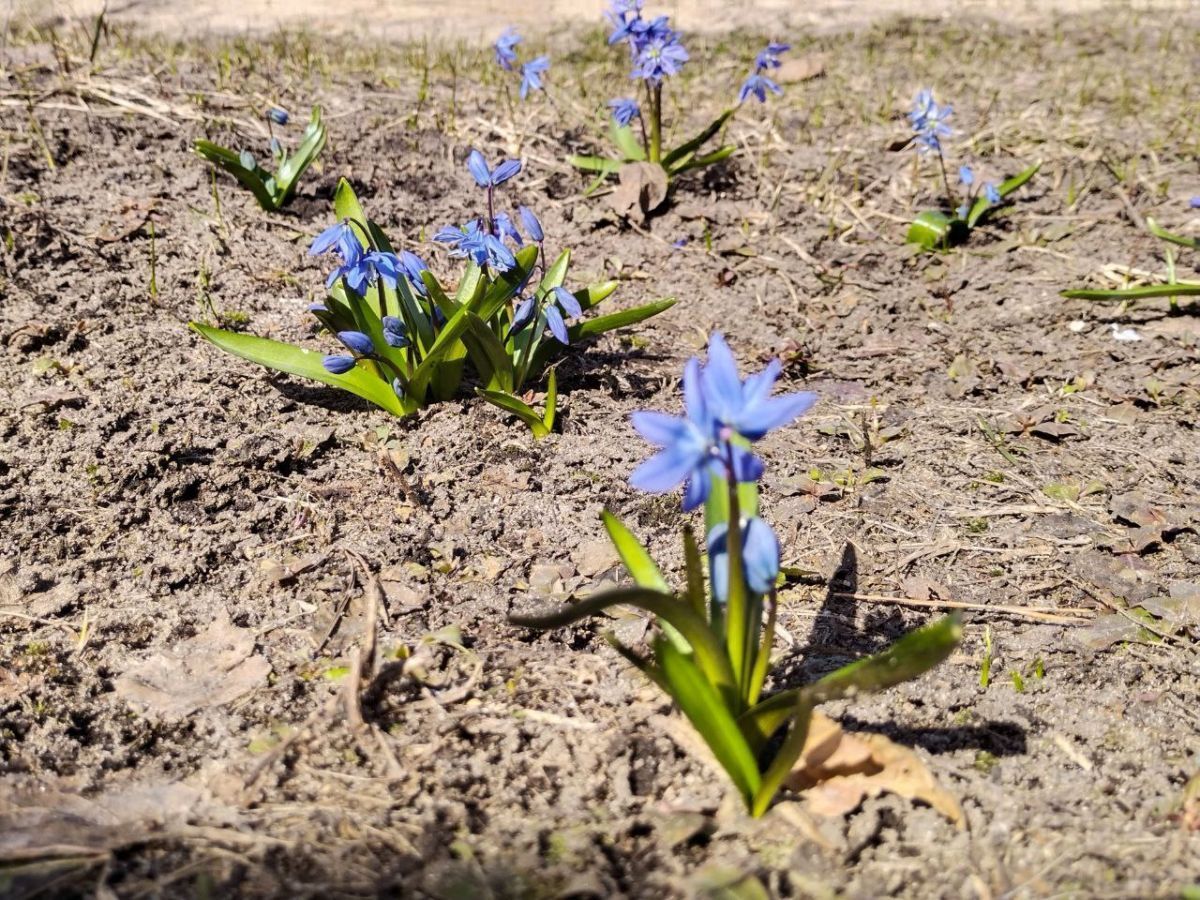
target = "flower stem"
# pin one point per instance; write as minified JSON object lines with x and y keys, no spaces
{"x":946,"y":182}
{"x":740,"y":634}
{"x":656,"y":122}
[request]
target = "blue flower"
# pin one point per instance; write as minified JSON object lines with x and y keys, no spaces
{"x":747,"y":407}
{"x":929,"y":121}
{"x":506,"y":228}
{"x":623,"y":14}
{"x":394,"y":332}
{"x":769,"y":58}
{"x":760,"y":557}
{"x":964,"y":211}
{"x":659,"y":58}
{"x":275,"y":147}
{"x":460,"y":240}
{"x":373,"y":265}
{"x":495,"y":255}
{"x":358,"y":342}
{"x":277,"y":115}
{"x":246,"y":158}
{"x":338,"y":365}
{"x":563,"y":302}
{"x":505,"y":48}
{"x":531,"y":75}
{"x":992,"y":193}
{"x":473,"y":242}
{"x":413,"y":266}
{"x":489,"y":178}
{"x":966,"y":175}
{"x":340,"y":237}
{"x":532,"y":225}
{"x":624,"y":110}
{"x":758,"y":85}
{"x":523,"y":316}
{"x":1194,"y":203}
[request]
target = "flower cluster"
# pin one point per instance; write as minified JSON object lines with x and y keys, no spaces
{"x":757,"y":84}
{"x":966,"y":177}
{"x":654,"y":46}
{"x":721,"y":414}
{"x":505,"y":49}
{"x":929,"y":121}
{"x":360,"y":267}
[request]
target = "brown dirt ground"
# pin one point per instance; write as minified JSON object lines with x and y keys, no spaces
{"x":150,"y":487}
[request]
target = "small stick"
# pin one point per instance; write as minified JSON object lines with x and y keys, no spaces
{"x":1049,"y":614}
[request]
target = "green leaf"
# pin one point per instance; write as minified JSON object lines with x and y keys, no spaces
{"x":595,"y":294}
{"x":1159,"y":232}
{"x":912,"y":655}
{"x":501,"y":290}
{"x":292,"y":168}
{"x":626,"y":141}
{"x":488,"y":355}
{"x":785,"y":758}
{"x":596,"y":164}
{"x":232,"y":163}
{"x":699,"y":140}
{"x":1179,"y":289}
{"x":698,"y":162}
{"x":346,"y":206}
{"x":551,"y":401}
{"x":704,"y":707}
{"x":935,"y":230}
{"x":518,"y":408}
{"x":695,"y":572}
{"x":981,"y":207}
{"x":305,"y":363}
{"x":633,"y":554}
{"x":599,"y":325}
{"x":710,"y":654}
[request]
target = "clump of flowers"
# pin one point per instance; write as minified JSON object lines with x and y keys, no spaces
{"x":406,"y":340}
{"x":657,"y":53}
{"x":272,"y":189}
{"x":712,"y":647}
{"x":508,"y":59}
{"x":972,"y":200}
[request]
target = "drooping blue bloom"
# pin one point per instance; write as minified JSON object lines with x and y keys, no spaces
{"x":358,"y":342}
{"x":495,"y":255}
{"x":760,"y":557}
{"x":929,"y":121}
{"x":758,"y":85}
{"x":278,"y":116}
{"x":622,"y":14}
{"x":460,"y":240}
{"x":769,"y":57}
{"x":412,"y":266}
{"x":473,"y":242}
{"x":992,"y":193}
{"x":340,"y":237}
{"x":524,"y":314}
{"x":533,"y":227}
{"x":747,"y":407}
{"x":394,"y":332}
{"x":624,"y":110}
{"x":505,"y":47}
{"x":964,"y":211}
{"x":506,"y":228}
{"x":377,"y":264}
{"x":338,"y":365}
{"x":1194,"y":203}
{"x":246,"y":158}
{"x":562,"y":301}
{"x":318,"y":309}
{"x":531,"y":75}
{"x":660,"y":58}
{"x":490,"y":178}
{"x":966,"y":175}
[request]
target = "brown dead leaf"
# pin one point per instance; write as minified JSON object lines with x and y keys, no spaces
{"x":280,"y":571}
{"x":215,"y":667}
{"x":837,"y":771}
{"x":642,"y":189}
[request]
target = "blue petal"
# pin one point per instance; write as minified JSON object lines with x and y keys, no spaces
{"x":478,"y":168}
{"x":568,"y":302}
{"x":718,"y":561}
{"x":746,"y":466}
{"x":505,"y":171}
{"x":760,"y":556}
{"x":523,"y":316}
{"x":338,"y":365}
{"x":357,"y":341}
{"x":693,"y":394}
{"x":658,"y":428}
{"x":696,"y":489}
{"x":326,"y":239}
{"x":758,"y":387}
{"x":663,"y":471}
{"x":722,"y":387}
{"x":775,"y":412}
{"x":532,"y":225}
{"x":557,"y":327}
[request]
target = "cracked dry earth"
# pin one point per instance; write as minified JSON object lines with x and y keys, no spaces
{"x":188,"y":541}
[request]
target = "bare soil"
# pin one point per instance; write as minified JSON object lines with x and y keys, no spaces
{"x":188,"y":540}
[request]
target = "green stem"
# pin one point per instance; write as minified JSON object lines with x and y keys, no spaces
{"x":740,"y":636}
{"x":656,"y":123}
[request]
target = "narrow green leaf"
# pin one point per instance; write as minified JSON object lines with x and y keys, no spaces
{"x":710,"y":655}
{"x":595,"y":164}
{"x":695,"y":572}
{"x":599,"y":325}
{"x":633,"y":554}
{"x":626,"y":141}
{"x":1159,"y":232}
{"x":488,"y":355}
{"x":294,"y":166}
{"x":702,"y":703}
{"x":231,"y":162}
{"x":305,"y":363}
{"x":981,"y":207}
{"x":518,"y":408}
{"x":501,"y":290}
{"x":785,"y":758}
{"x":346,"y":206}
{"x":551,"y":401}
{"x":1146,"y":291}
{"x":699,"y":162}
{"x":699,"y":140}
{"x":595,"y":294}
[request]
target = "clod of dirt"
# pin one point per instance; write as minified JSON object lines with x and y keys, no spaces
{"x":216,"y":666}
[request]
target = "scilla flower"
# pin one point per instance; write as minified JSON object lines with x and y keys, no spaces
{"x":490,"y":178}
{"x":992,"y":193}
{"x":769,"y":58}
{"x":505,"y":47}
{"x":413,"y":266}
{"x":758,"y":85}
{"x":760,"y":557}
{"x":747,"y":407}
{"x":929,"y":121}
{"x":966,"y":175}
{"x":246,"y":158}
{"x":533,"y":227}
{"x":660,"y":58}
{"x":624,"y":110}
{"x":531,"y":75}
{"x":394,"y":332}
{"x":278,"y":116}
